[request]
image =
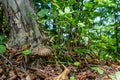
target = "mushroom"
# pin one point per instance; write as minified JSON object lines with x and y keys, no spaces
{"x":42,"y":51}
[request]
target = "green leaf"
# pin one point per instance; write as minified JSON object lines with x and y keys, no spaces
{"x":29,"y":14}
{"x":76,"y":63}
{"x":112,"y":77}
{"x":2,"y":49}
{"x":55,"y":46}
{"x":117,"y":74}
{"x":72,"y":2}
{"x":61,"y":12}
{"x":67,"y":10}
{"x":68,"y":58}
{"x":42,"y":13}
{"x":81,"y":51}
{"x":95,"y":14}
{"x":88,"y":5}
{"x":56,"y":5}
{"x":100,"y":71}
{"x":26,"y":52}
{"x":72,"y":78}
{"x":2,"y":38}
{"x":116,"y":77}
{"x":54,"y":0}
{"x":81,"y":24}
{"x":77,"y":51}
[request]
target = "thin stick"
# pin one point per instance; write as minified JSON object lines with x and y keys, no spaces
{"x":6,"y":59}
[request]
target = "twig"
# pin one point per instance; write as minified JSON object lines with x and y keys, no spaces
{"x":6,"y":59}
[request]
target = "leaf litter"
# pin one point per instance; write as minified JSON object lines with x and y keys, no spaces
{"x":18,"y":67}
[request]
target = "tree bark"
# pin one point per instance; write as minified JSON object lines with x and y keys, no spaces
{"x":23,"y":28}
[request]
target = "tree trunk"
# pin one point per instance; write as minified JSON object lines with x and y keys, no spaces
{"x":23,"y":27}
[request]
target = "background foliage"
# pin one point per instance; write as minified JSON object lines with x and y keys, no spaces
{"x":82,"y":26}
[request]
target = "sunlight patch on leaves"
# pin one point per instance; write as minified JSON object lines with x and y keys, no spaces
{"x":67,"y":9}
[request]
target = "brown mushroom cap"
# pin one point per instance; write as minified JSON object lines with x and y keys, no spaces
{"x":41,"y":51}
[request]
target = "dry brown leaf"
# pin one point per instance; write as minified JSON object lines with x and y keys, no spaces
{"x":63,"y":75}
{"x":12,"y":75}
{"x":20,"y":57}
{"x":32,"y":75}
{"x":7,"y":46}
{"x":114,"y":66}
{"x":1,"y":70}
{"x":89,"y":58}
{"x":41,"y":73}
{"x":26,"y":46}
{"x":12,"y":50}
{"x":27,"y":77}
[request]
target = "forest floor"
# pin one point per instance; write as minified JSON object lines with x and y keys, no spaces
{"x":18,"y":67}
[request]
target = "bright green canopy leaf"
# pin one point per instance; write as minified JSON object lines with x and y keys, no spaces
{"x":67,"y":9}
{"x":61,"y":12}
{"x":88,"y":5}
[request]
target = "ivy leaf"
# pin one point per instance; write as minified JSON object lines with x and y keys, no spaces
{"x":26,"y":52}
{"x":42,"y":13}
{"x":2,"y":49}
